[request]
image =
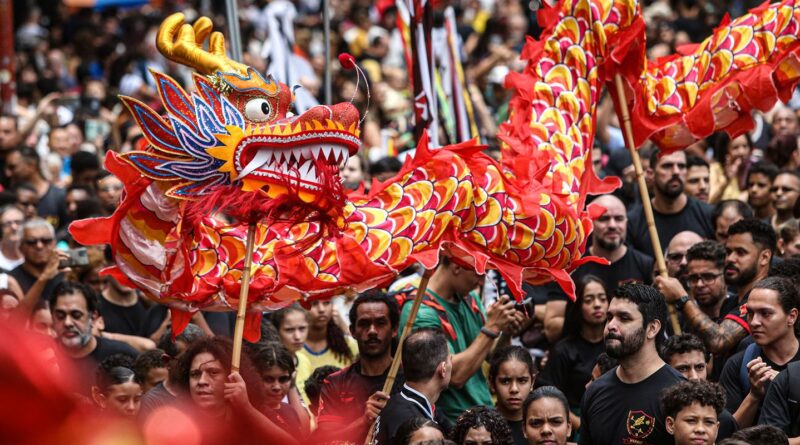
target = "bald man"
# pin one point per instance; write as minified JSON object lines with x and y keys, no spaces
{"x":675,"y":255}
{"x":608,"y":241}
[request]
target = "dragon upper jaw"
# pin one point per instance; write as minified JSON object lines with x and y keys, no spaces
{"x":301,"y":164}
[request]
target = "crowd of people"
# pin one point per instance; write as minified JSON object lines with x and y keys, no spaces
{"x":478,"y":367}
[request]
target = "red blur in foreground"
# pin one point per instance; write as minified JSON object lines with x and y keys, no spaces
{"x":40,"y":406}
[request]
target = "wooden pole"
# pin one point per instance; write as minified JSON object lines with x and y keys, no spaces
{"x":390,"y":378}
{"x":648,"y":208}
{"x":238,"y":330}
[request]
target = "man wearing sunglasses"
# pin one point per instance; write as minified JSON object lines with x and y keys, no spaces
{"x":39,"y":274}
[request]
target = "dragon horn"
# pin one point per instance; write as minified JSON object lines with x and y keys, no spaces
{"x":183,"y":43}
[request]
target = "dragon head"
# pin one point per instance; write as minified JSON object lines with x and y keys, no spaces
{"x":266,"y":148}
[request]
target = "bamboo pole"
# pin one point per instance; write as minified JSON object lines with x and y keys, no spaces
{"x":646,"y":205}
{"x":390,"y":378}
{"x":238,"y":331}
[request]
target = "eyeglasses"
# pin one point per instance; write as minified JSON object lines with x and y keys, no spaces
{"x":269,"y":380}
{"x":36,"y":241}
{"x":675,"y":257}
{"x":15,"y":222}
{"x":693,"y":279}
{"x":62,"y":315}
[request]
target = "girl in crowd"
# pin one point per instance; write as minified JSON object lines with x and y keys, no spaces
{"x":546,"y":414}
{"x":511,"y":378}
{"x":236,"y":398}
{"x":326,"y":343}
{"x":729,"y":172}
{"x":116,"y":390}
{"x":481,"y":426}
{"x":418,"y":429}
{"x":571,"y":360}
{"x":292,"y":325}
{"x":283,"y":405}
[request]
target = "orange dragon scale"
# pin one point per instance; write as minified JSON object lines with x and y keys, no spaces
{"x":229,"y":151}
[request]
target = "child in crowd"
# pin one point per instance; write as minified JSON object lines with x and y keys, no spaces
{"x":692,"y":409}
{"x":511,"y":376}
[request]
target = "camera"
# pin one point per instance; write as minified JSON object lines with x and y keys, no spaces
{"x":77,"y":257}
{"x":526,"y":307}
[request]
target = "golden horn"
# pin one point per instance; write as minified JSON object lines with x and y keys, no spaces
{"x":183,"y":44}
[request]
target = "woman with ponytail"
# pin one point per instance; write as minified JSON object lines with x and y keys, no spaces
{"x":326,"y":343}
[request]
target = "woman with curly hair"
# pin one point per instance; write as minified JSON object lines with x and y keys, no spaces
{"x":482,"y":426}
{"x":326,"y":343}
{"x":228,"y":404}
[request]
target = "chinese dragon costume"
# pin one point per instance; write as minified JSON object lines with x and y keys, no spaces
{"x":229,"y":152}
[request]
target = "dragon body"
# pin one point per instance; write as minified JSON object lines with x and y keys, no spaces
{"x":232,"y":144}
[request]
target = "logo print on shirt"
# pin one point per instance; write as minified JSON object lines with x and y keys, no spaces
{"x":640,"y":424}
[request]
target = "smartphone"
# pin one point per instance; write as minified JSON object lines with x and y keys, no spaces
{"x":77,"y":258}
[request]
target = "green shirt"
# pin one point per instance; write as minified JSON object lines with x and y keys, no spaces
{"x":467,"y":326}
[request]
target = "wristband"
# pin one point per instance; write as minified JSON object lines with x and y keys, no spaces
{"x":489,"y":333}
{"x":681,"y":303}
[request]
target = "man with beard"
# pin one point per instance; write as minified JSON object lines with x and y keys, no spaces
{"x":352,"y":398}
{"x":698,"y":178}
{"x":772,"y":310}
{"x":673,"y":210}
{"x":427,"y":365}
{"x":622,"y":405}
{"x":74,"y":311}
{"x":749,"y":250}
{"x":784,"y":191}
{"x":608,"y":241}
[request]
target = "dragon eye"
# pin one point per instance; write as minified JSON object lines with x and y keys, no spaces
{"x":258,"y":110}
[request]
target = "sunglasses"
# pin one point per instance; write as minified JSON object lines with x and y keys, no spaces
{"x":36,"y":241}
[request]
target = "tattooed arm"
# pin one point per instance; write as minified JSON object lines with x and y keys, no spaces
{"x":718,"y":337}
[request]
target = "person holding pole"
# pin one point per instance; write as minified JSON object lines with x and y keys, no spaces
{"x":750,"y":247}
{"x":452,"y":305}
{"x":351,"y":399}
{"x":673,"y":210}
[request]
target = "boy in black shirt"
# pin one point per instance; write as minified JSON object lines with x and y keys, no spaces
{"x":622,"y":406}
{"x":692,"y":410}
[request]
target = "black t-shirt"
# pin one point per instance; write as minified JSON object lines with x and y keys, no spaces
{"x":126,"y":320}
{"x":53,"y":206}
{"x":286,"y":419}
{"x":157,"y":397}
{"x":344,"y":395}
{"x":221,"y":323}
{"x":696,"y":216}
{"x":516,"y":432}
{"x":633,"y":266}
{"x":779,"y":408}
{"x":617,"y":413}
{"x":87,"y":366}
{"x":26,"y":281}
{"x":732,"y":382}
{"x":569,"y":367}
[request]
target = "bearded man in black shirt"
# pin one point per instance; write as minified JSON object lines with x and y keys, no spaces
{"x":622,"y":406}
